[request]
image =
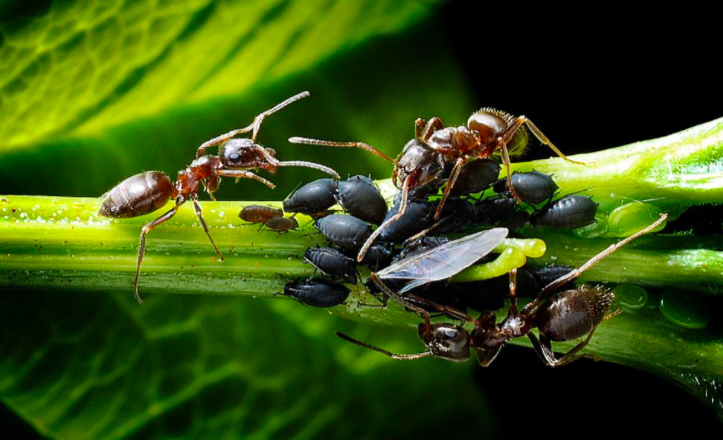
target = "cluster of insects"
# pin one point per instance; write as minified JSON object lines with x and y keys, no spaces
{"x":448,"y":182}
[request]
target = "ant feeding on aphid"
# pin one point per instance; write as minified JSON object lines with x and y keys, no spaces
{"x":437,"y":150}
{"x":150,"y":191}
{"x":558,"y":316}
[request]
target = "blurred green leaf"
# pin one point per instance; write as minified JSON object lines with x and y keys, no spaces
{"x":83,"y":66}
{"x":100,"y":367}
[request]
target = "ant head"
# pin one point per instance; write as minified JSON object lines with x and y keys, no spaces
{"x":446,"y":341}
{"x":419,"y":161}
{"x":244,"y":153}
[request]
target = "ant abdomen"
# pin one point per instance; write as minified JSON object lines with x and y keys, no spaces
{"x":138,"y":195}
{"x":573,"y":313}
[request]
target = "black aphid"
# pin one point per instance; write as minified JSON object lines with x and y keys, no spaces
{"x":360,"y":197}
{"x":476,"y":176}
{"x":333,"y":263}
{"x":313,"y":198}
{"x":532,"y":187}
{"x":569,"y":212}
{"x":317,"y":293}
{"x":345,"y":231}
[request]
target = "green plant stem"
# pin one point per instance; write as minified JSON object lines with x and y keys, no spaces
{"x":672,"y":172}
{"x":60,"y":244}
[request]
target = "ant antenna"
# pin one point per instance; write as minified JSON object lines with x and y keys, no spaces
{"x":401,"y":357}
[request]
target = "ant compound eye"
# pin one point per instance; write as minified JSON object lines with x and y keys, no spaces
{"x":234,"y":156}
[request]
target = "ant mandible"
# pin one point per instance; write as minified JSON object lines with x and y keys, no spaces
{"x":435,"y":148}
{"x":150,"y":191}
{"x":567,"y":316}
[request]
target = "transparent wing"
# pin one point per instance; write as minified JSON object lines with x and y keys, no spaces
{"x":444,"y":261}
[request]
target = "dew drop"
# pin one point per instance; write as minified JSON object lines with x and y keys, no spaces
{"x":630,"y":296}
{"x":684,"y":310}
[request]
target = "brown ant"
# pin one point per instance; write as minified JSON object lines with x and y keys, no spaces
{"x":435,"y":148}
{"x":567,"y":316}
{"x":147,"y":192}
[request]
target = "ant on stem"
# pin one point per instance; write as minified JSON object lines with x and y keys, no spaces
{"x":436,"y":148}
{"x":150,"y":191}
{"x":563,"y":316}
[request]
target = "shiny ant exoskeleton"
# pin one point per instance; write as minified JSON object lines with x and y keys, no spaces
{"x":437,"y":149}
{"x":147,"y":192}
{"x":563,"y":316}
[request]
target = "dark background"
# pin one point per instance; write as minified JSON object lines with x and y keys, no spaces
{"x":591,"y":78}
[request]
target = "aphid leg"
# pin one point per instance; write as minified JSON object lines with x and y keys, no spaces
{"x":401,"y":357}
{"x":142,"y":247}
{"x":506,"y":162}
{"x":450,"y":183}
{"x":543,"y":139}
{"x":218,"y":140}
{"x":199,"y":214}
{"x":402,"y":210}
{"x":553,"y":286}
{"x":543,"y":348}
{"x":245,"y":175}
{"x":316,"y":166}
{"x":362,"y":145}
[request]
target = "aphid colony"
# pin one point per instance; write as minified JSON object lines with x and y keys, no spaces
{"x":438,"y":174}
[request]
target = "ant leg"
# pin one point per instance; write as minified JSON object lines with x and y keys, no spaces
{"x":199,"y":214}
{"x":253,"y":127}
{"x":430,"y":127}
{"x":142,"y":247}
{"x":362,"y":145}
{"x":543,"y":348}
{"x":488,"y":356}
{"x":451,"y":311}
{"x":506,"y":161}
{"x":245,"y":175}
{"x":400,"y":357}
{"x":419,"y":235}
{"x":450,"y":183}
{"x":553,"y":286}
{"x":402,"y":210}
{"x":316,"y":166}
{"x":542,"y":138}
{"x":425,"y":315}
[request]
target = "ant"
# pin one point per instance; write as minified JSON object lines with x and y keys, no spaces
{"x":150,"y":191}
{"x":567,"y":316}
{"x":435,"y":148}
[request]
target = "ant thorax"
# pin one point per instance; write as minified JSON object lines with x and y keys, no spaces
{"x":456,"y":141}
{"x":202,"y":169}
